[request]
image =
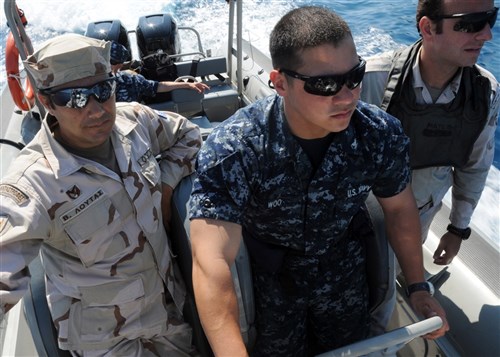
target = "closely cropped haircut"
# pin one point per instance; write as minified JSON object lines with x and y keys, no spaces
{"x":432,"y":9}
{"x":302,"y":28}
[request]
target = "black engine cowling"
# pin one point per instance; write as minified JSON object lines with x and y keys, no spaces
{"x":109,"y":30}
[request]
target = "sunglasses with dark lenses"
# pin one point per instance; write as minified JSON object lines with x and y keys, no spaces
{"x":472,"y":22}
{"x":330,"y":85}
{"x":79,"y":97}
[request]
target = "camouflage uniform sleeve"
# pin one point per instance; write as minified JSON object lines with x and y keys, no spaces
{"x":145,"y":87}
{"x":469,"y":181}
{"x":178,"y":142}
{"x":226,"y":172}
{"x":394,"y":173}
{"x":22,"y":226}
{"x":220,"y":192}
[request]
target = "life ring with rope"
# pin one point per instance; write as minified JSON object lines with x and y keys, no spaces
{"x":23,"y":98}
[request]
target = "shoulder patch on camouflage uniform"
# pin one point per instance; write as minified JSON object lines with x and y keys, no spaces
{"x":14,"y":193}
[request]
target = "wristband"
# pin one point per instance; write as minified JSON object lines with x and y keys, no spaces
{"x":423,"y":286}
{"x":464,"y":234}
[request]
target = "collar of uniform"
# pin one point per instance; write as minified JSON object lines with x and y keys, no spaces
{"x":59,"y":159}
{"x":349,"y":138}
{"x":124,"y":125}
{"x":448,"y":93}
{"x":344,"y":139}
{"x":278,"y":129}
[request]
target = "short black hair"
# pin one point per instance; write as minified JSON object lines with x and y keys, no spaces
{"x":432,"y":9}
{"x":302,"y":28}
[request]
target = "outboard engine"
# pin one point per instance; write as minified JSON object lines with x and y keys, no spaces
{"x":157,"y":40}
{"x":157,"y":33}
{"x":109,"y":30}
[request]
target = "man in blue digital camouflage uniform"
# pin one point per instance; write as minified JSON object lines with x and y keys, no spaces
{"x":134,"y":87}
{"x":290,"y":174}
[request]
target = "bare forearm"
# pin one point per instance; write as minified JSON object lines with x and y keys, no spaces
{"x":215,"y":245}
{"x":404,"y":236}
{"x":404,"y":233}
{"x":403,"y":229}
{"x":218,"y":310}
{"x":169,"y":86}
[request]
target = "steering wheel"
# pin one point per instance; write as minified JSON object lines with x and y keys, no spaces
{"x":183,"y":78}
{"x":389,"y":343}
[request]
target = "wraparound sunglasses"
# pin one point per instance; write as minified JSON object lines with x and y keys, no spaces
{"x":78,"y":98}
{"x":472,"y":22}
{"x":329,"y":85}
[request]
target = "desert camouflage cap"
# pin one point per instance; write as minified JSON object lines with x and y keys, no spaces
{"x":67,"y":58}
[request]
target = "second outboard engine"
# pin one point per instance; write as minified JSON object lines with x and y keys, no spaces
{"x":109,"y":30}
{"x":157,"y":40}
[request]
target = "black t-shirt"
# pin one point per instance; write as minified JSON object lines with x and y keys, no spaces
{"x":316,"y":148}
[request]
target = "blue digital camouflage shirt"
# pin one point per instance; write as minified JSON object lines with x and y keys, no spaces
{"x":251,"y":171}
{"x":133,"y":87}
{"x":308,"y":263}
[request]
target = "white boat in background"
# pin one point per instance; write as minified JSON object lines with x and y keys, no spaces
{"x":468,"y":289}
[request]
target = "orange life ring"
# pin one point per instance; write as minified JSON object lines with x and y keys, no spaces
{"x":23,"y":98}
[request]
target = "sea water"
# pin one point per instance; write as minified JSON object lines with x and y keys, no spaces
{"x":377,"y":26}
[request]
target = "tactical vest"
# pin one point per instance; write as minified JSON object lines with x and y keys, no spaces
{"x":440,"y":134}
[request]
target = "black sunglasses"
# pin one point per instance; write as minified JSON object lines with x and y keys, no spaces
{"x":472,"y":22}
{"x":79,"y":97}
{"x":332,"y":84}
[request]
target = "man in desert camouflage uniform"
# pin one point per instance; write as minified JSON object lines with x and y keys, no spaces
{"x":290,"y":174}
{"x":86,"y":193}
